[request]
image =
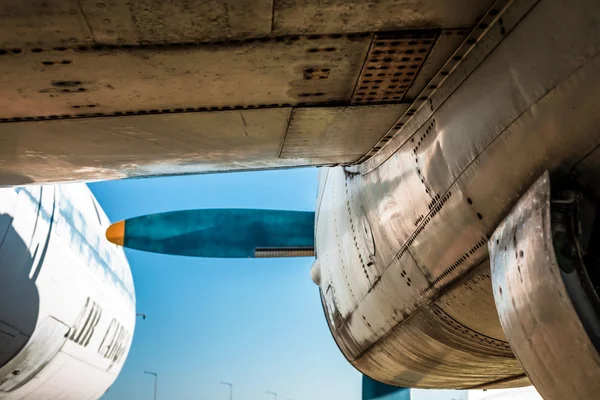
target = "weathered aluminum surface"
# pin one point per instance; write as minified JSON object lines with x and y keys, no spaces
{"x":444,"y":351}
{"x":447,"y":42}
{"x":333,"y":16}
{"x":433,"y":198}
{"x":41,"y":23}
{"x":64,"y":22}
{"x":131,"y":146}
{"x":175,"y":21}
{"x":534,"y":305}
{"x":104,"y":81}
{"x":325,"y":132}
{"x":83,"y":60}
{"x":89,"y":101}
{"x":391,"y":66}
{"x":194,"y":142}
{"x":444,"y":344}
{"x":488,"y":32}
{"x":368,"y":306}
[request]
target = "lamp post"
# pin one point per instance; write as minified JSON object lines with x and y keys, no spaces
{"x":273,"y":393}
{"x":141,"y":315}
{"x":230,"y":389}
{"x":155,"y":382}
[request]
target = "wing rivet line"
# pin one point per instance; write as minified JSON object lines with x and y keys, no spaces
{"x":423,"y":98}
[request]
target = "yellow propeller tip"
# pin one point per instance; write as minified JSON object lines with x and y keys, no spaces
{"x":116,"y":233}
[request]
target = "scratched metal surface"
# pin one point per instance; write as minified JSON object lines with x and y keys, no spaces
{"x":94,"y":81}
{"x":42,"y":23}
{"x":175,"y":21}
{"x":500,"y":19}
{"x":445,"y":343}
{"x":324,"y":132}
{"x":534,"y":304}
{"x":98,"y":60}
{"x":118,"y":80}
{"x":90,"y":106}
{"x":59,"y":22}
{"x":197,"y":142}
{"x":433,"y":201}
{"x":333,"y":16}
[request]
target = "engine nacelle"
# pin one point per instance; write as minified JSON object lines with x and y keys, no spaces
{"x":545,"y":273}
{"x":402,"y":239}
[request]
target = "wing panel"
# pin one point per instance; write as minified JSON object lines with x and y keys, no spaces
{"x":84,"y":81}
{"x":42,"y":23}
{"x":176,"y":21}
{"x":143,"y":145}
{"x":337,"y":131}
{"x":57,"y":23}
{"x":331,"y":16}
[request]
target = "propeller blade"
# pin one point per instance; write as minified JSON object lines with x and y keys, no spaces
{"x":372,"y":390}
{"x":219,"y":233}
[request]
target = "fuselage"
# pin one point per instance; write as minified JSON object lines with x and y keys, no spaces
{"x":67,"y":301}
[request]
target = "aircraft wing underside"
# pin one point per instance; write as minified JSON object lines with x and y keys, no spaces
{"x":111,"y":89}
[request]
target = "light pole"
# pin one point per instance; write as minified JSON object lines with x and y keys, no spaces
{"x":273,"y":393}
{"x":155,"y":382}
{"x":141,"y":315}
{"x":230,"y":389}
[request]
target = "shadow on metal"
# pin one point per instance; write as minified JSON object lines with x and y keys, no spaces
{"x":19,"y":297}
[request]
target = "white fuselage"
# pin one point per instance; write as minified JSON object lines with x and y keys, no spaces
{"x":67,"y":302}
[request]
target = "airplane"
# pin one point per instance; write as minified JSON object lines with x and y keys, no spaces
{"x":457,"y":143}
{"x":68,"y":300}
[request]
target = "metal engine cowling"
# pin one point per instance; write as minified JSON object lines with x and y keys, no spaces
{"x":542,"y":259}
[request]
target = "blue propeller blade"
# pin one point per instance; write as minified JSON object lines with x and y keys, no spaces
{"x":219,"y":233}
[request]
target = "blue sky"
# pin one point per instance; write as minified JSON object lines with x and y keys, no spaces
{"x":256,"y":323}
